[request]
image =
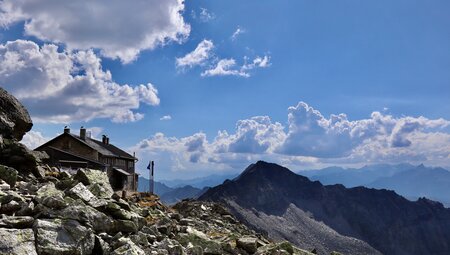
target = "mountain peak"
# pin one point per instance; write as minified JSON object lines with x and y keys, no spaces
{"x":267,"y":169}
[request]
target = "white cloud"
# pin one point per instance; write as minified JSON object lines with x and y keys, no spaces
{"x":197,"y":57}
{"x":228,"y":67}
{"x":311,"y":134}
{"x":309,"y":140}
{"x":120,"y":29}
{"x":237,"y":32}
{"x":225,"y":67}
{"x":33,"y":139}
{"x":204,"y":15}
{"x":64,"y":87}
{"x":166,"y":117}
{"x":261,"y":62}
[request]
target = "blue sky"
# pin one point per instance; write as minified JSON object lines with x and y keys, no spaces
{"x":351,"y":57}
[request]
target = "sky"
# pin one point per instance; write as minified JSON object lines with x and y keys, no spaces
{"x":208,"y":87}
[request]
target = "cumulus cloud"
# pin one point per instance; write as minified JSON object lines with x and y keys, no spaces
{"x":197,"y":57}
{"x":103,"y":25}
{"x":236,"y":33}
{"x":64,"y":87}
{"x":310,"y":140}
{"x":225,"y":67}
{"x":166,"y":117}
{"x":34,"y":139}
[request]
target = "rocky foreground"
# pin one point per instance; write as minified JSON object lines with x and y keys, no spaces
{"x":47,"y":211}
{"x":80,"y":214}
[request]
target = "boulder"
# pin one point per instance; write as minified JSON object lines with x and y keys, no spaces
{"x":16,"y":222}
{"x":128,"y":249}
{"x":248,"y":244}
{"x":97,"y":182}
{"x":14,"y":118}
{"x":17,"y":242}
{"x":51,"y":197}
{"x":9,"y":175}
{"x":80,"y":191}
{"x":61,"y":237}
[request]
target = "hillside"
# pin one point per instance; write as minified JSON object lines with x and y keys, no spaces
{"x":383,"y":219}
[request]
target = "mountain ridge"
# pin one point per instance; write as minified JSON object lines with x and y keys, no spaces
{"x":382,"y":218}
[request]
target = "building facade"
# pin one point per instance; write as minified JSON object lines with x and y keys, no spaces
{"x":70,"y":151}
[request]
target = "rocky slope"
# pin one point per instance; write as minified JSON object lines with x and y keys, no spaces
{"x":46,"y":211}
{"x":272,"y":198}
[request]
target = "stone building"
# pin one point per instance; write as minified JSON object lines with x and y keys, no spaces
{"x":70,"y":151}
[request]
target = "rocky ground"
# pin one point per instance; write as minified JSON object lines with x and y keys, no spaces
{"x":47,"y":211}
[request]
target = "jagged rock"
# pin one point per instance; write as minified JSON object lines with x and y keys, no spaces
{"x":128,"y":249}
{"x":17,"y":242}
{"x":248,"y":244}
{"x":101,"y":246}
{"x":14,"y":118}
{"x":126,"y":226}
{"x":80,"y":191}
{"x":16,"y":222}
{"x":99,"y":221}
{"x":97,"y":182}
{"x":10,"y":208}
{"x":9,"y":175}
{"x":60,"y":237}
{"x":51,"y":197}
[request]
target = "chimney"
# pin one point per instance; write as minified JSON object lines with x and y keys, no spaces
{"x":83,"y":133}
{"x":104,"y":139}
{"x":66,"y":130}
{"x":107,"y":140}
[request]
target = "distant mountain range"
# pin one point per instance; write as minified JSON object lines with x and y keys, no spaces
{"x":407,"y":180}
{"x":288,"y":206}
{"x":170,"y":195}
{"x":200,"y":183}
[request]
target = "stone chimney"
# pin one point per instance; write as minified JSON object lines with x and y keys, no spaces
{"x":66,"y":130}
{"x":83,"y":133}
{"x":107,"y":140}
{"x":104,"y":139}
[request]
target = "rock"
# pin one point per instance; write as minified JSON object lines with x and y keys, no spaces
{"x":97,"y":182}
{"x":194,"y":250}
{"x":14,"y":118}
{"x":101,"y":246}
{"x":10,"y":208}
{"x":80,"y":191}
{"x":51,"y":197}
{"x":99,"y":221}
{"x":248,"y":244}
{"x":128,"y":249}
{"x":16,"y":222}
{"x":9,"y":175}
{"x":17,"y":242}
{"x":60,"y":237}
{"x":126,"y":226}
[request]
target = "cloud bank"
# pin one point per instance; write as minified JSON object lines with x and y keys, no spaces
{"x":307,"y":139}
{"x":103,"y":25}
{"x":64,"y":87}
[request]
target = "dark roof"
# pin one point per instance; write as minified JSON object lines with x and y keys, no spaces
{"x":108,"y":150}
{"x":76,"y":156}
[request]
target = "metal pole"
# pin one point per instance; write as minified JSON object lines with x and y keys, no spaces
{"x":153,"y":177}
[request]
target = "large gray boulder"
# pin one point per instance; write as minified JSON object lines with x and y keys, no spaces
{"x":97,"y":182}
{"x":17,"y":242}
{"x":61,"y":237}
{"x":14,"y":118}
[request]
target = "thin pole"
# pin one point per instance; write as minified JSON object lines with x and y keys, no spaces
{"x":153,"y":177}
